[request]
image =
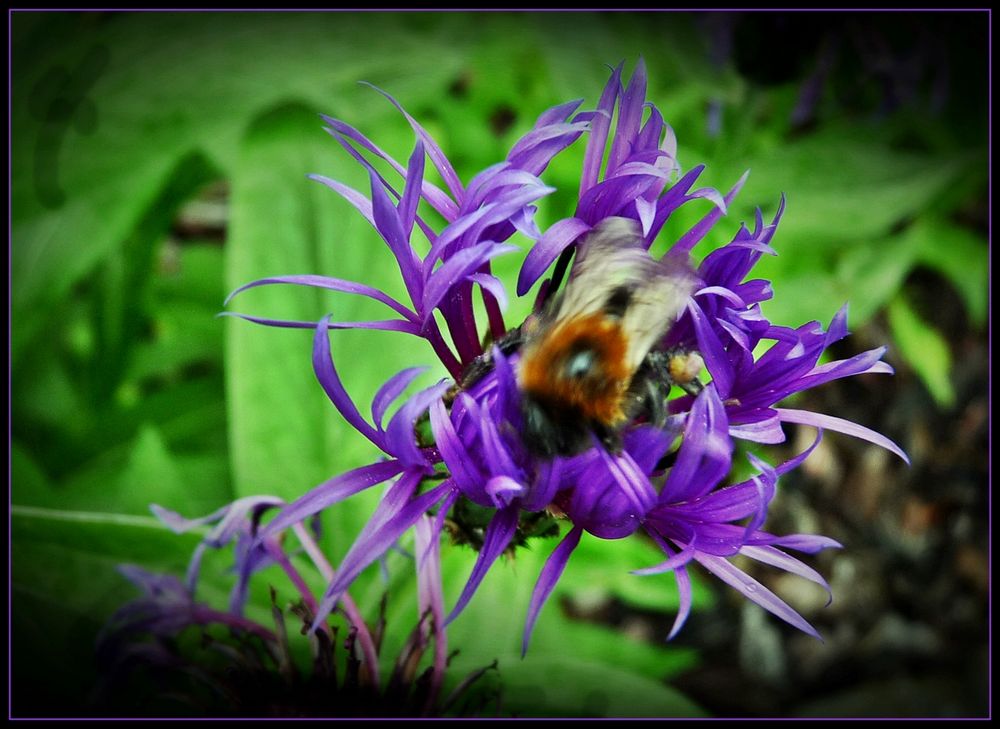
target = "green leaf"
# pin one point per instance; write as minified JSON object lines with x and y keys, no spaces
{"x":65,"y":436}
{"x":26,"y":475}
{"x":871,"y":275}
{"x":846,"y":190}
{"x":924,"y":348}
{"x":121,"y":297}
{"x":192,"y":272}
{"x":126,"y":480}
{"x":842,"y":187}
{"x":959,"y":255}
{"x":45,"y":395}
{"x":64,"y":586}
{"x":608,"y":567}
{"x":595,"y":642}
{"x":184,"y":334}
{"x":151,"y":469}
{"x":277,"y":411}
{"x":563,"y":686}
{"x":140,"y":100}
{"x":190,"y":415}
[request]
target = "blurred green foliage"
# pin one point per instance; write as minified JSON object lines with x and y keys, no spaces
{"x":159,"y":161}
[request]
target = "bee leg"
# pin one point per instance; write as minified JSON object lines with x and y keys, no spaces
{"x":650,"y":389}
{"x":560,"y":270}
{"x":668,"y":460}
{"x":656,"y":402}
{"x":610,"y":438}
{"x":511,"y":341}
{"x":692,"y":387}
{"x":482,"y":365}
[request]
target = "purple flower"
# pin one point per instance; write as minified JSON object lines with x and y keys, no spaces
{"x":237,"y":523}
{"x":479,"y":453}
{"x":167,"y":607}
{"x":247,"y":681}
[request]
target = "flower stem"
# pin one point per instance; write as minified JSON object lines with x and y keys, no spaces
{"x":364,"y":635}
{"x":281,"y":558}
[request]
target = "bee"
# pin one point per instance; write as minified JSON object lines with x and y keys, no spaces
{"x":587,"y":364}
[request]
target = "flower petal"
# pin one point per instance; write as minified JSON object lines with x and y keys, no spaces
{"x":551,"y":572}
{"x":555,"y":240}
{"x":557,"y":114}
{"x":503,"y":489}
{"x":776,"y":558}
{"x":629,"y":116}
{"x":385,"y":325}
{"x":632,"y":481}
{"x":705,"y":455}
{"x":355,"y":198}
{"x":430,"y":600}
{"x":646,"y":210}
{"x":391,"y":390}
{"x":493,"y":285}
{"x":333,"y":284}
{"x":330,"y":492}
{"x":390,"y":227}
{"x":462,"y":467}
{"x":684,"y":595}
{"x":441,"y":162}
{"x":767,"y":431}
{"x":400,"y":439}
{"x":366,"y":551}
{"x":179,"y":524}
{"x":457,"y":268}
{"x":412,"y":189}
{"x":829,"y":422}
{"x":437,"y":198}
{"x":690,"y":239}
{"x":495,"y":451}
{"x":722,"y":291}
{"x":498,"y":535}
{"x":673,"y":199}
{"x":675,"y":562}
{"x":712,"y":351}
{"x":535,"y":150}
{"x":808,"y":543}
{"x":428,"y":547}
{"x":326,"y":373}
{"x":764,"y":486}
{"x":599,"y":126}
{"x":755,"y":591}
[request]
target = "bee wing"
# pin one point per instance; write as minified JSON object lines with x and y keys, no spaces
{"x":614,"y":273}
{"x":611,"y":256}
{"x":655,"y":305}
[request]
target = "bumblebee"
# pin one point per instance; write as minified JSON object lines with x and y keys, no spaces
{"x":586,"y":364}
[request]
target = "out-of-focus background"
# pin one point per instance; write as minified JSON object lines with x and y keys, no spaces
{"x":159,"y":161}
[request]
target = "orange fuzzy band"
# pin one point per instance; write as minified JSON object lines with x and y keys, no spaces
{"x":596,"y":396}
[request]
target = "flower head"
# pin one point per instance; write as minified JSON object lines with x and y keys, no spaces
{"x":664,"y":473}
{"x":243,"y":667}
